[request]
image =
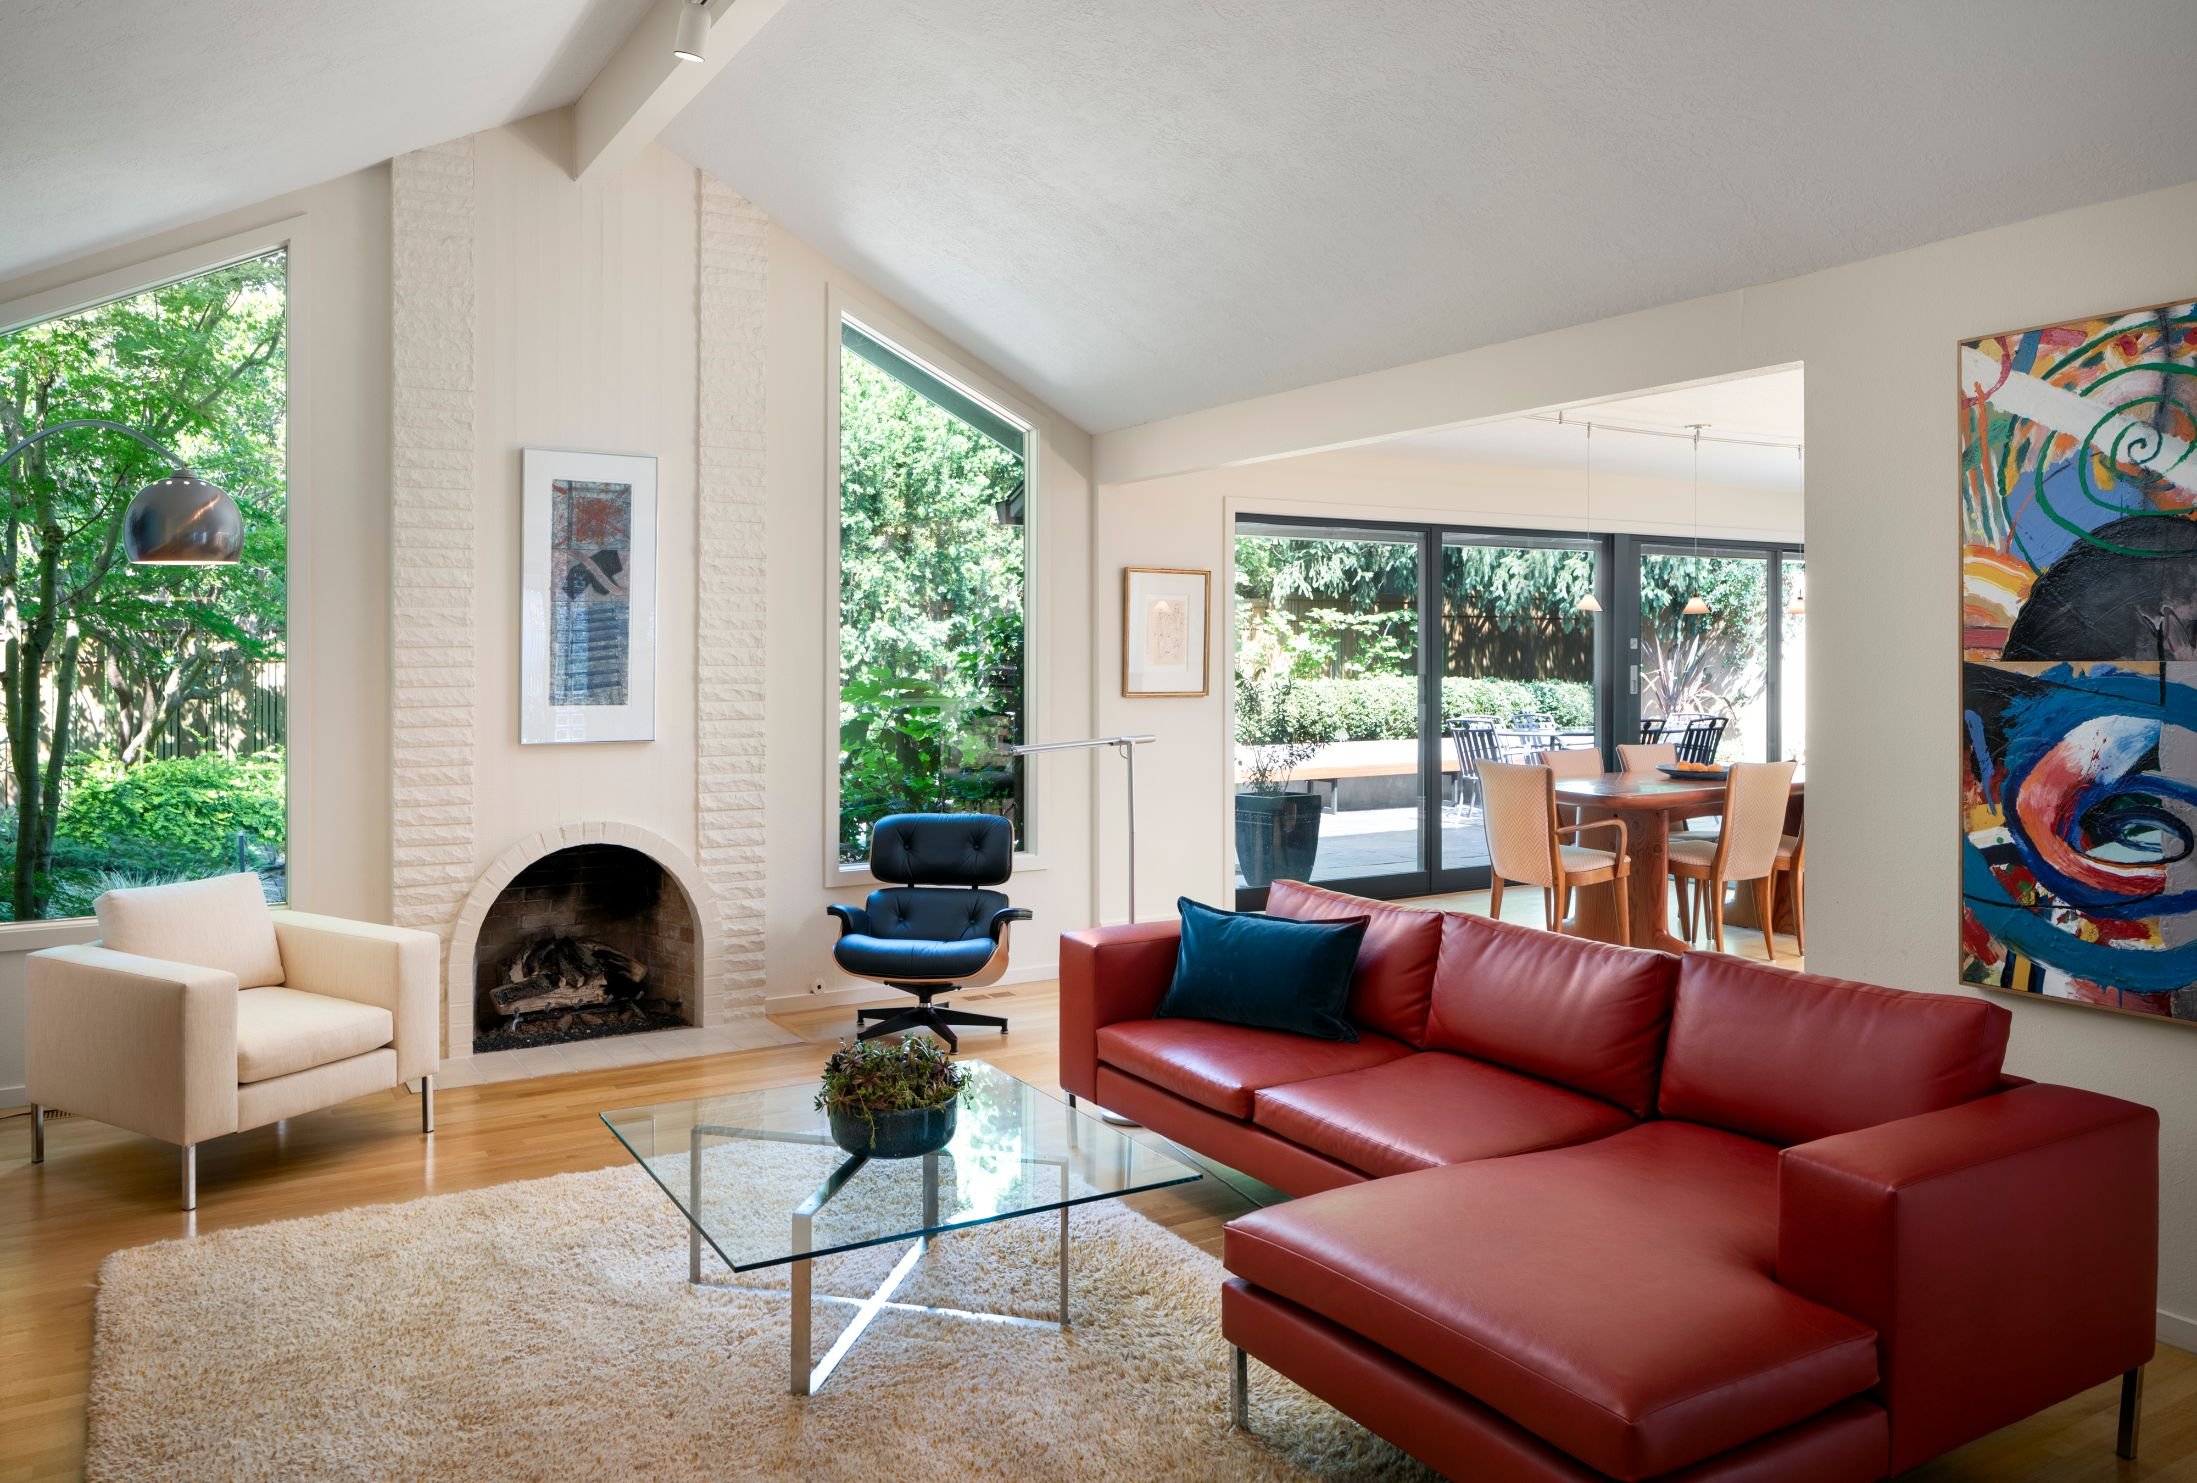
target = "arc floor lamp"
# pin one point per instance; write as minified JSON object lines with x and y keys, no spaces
{"x":180,"y":520}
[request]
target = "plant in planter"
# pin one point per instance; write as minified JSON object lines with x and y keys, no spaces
{"x":891,"y":1101}
{"x":1277,"y":831}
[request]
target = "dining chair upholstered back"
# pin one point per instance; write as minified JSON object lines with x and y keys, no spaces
{"x":1754,"y":819}
{"x":1646,"y":756}
{"x":1520,"y":804}
{"x":1571,"y":762}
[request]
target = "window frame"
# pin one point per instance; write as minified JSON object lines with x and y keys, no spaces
{"x":294,"y":236}
{"x":897,"y":334}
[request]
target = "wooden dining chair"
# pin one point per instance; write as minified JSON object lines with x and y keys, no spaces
{"x":1526,"y":845}
{"x":1792,"y":852}
{"x":1745,"y":849}
{"x":1570,"y":762}
{"x":1646,"y":756}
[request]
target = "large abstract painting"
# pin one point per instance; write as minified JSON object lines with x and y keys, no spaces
{"x":588,"y":598}
{"x":2079,"y":648}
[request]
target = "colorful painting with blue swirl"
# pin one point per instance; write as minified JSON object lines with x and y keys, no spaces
{"x":2079,"y":640}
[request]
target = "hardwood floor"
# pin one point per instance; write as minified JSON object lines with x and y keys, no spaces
{"x":101,"y":1189}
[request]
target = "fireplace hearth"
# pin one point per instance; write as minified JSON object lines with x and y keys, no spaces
{"x":589,"y":941}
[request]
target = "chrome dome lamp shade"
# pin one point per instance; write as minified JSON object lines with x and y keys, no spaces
{"x":178,"y":521}
{"x":182,"y":521}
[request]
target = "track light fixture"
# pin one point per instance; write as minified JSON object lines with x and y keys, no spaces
{"x":693,"y":30}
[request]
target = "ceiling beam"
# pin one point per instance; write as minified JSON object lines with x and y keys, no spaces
{"x":643,"y":87}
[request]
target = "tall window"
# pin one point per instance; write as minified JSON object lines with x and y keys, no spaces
{"x":143,"y":705}
{"x":934,"y":502}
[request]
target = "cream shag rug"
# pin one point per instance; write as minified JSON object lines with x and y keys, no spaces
{"x":546,"y":1330}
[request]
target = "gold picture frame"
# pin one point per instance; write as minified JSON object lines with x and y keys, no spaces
{"x":1166,"y":632}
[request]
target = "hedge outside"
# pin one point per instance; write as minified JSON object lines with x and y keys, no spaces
{"x":1387,"y":709}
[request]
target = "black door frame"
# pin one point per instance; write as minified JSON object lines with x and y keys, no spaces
{"x":1429,"y":876}
{"x":1616,"y":659}
{"x":1626,"y":553}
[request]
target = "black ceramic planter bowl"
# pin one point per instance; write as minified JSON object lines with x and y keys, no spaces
{"x":1277,"y":836}
{"x":895,"y":1135}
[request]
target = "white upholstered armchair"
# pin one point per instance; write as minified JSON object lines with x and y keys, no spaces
{"x":201,"y":1012}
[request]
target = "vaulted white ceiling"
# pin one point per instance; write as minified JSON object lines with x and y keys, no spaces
{"x":119,"y":118}
{"x":1141,"y":207}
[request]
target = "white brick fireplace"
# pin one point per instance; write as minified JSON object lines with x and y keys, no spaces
{"x":659,"y":350}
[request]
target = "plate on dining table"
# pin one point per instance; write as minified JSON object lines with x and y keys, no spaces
{"x":1693,"y":774}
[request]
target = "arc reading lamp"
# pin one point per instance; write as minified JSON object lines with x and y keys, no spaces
{"x":1127,"y":746}
{"x":180,"y":520}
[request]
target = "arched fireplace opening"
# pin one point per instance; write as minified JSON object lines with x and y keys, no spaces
{"x":588,"y":941}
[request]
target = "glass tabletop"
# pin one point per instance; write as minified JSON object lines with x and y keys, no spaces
{"x":759,"y":1177}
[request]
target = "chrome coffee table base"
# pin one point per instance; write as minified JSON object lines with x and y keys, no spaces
{"x":807,"y":1378}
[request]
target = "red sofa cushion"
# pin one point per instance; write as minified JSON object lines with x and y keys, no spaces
{"x":1793,"y":1057}
{"x":1429,"y":1109}
{"x":1587,"y":1015}
{"x":1223,"y":1066}
{"x":1394,"y":979}
{"x":1615,"y":1297}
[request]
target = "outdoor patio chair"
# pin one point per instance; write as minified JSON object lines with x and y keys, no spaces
{"x":1474,"y":739}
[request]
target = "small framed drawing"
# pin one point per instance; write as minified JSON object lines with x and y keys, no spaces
{"x":587,"y":597}
{"x":1166,"y":639}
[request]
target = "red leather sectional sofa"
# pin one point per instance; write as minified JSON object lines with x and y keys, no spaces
{"x":1579,"y":1212}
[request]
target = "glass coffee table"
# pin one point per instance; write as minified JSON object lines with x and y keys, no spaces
{"x":760,"y":1181}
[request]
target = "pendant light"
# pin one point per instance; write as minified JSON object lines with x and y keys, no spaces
{"x":1697,"y":606}
{"x":1589,"y":603}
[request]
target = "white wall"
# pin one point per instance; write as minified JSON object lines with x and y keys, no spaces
{"x":1877,"y":340}
{"x":339,"y":535}
{"x":803,"y":289}
{"x":584,"y":339}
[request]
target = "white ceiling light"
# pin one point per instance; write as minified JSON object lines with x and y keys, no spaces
{"x":693,"y":30}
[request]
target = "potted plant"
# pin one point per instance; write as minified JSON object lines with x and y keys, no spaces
{"x":1277,"y":831}
{"x":891,"y":1101}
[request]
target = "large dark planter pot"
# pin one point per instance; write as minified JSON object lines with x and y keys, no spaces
{"x":895,"y":1135}
{"x":1277,"y":836}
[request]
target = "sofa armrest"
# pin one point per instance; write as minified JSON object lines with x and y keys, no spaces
{"x":396,"y":968}
{"x":1109,"y":974}
{"x":2005,"y":1250}
{"x":138,"y":1042}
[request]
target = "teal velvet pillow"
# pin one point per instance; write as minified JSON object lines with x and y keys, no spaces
{"x":1272,"y":973}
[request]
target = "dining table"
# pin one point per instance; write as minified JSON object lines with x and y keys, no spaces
{"x":1647,"y":802}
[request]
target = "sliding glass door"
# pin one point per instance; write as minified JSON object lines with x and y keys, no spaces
{"x":1376,"y":663}
{"x":1328,"y":737}
{"x":1720,"y":657}
{"x":1518,"y":643}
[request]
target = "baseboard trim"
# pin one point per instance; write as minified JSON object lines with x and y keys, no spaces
{"x":859,"y":994}
{"x":15,"y":1097}
{"x":2179,"y":1331}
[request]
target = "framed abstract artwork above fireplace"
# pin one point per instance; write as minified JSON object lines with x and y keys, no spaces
{"x":587,"y":620}
{"x":2078,"y":500}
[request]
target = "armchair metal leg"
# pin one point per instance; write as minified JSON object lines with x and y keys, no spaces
{"x":1239,"y":1389}
{"x":427,"y":1105}
{"x":190,"y":1176}
{"x":2132,"y":1407}
{"x":38,"y":1134}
